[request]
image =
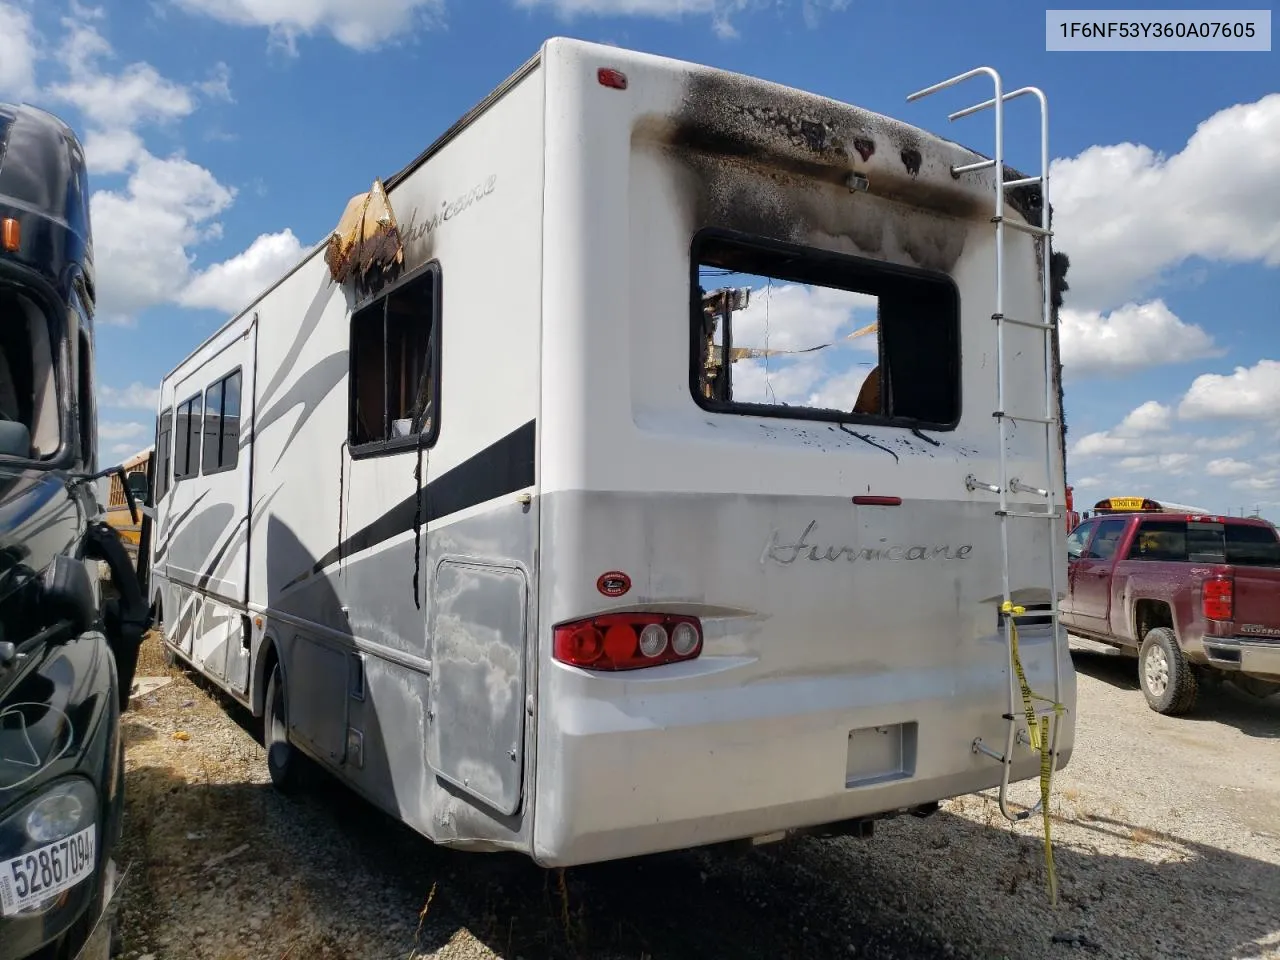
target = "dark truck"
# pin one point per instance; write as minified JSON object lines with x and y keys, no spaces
{"x":67,"y":653}
{"x":1196,"y":598}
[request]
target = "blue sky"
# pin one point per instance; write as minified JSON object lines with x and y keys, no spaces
{"x":225,"y":136}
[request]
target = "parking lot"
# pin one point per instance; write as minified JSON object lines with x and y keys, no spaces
{"x":1166,"y":834}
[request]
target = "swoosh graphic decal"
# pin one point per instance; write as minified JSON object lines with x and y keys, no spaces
{"x":308,"y":392}
{"x":310,"y":320}
{"x":163,"y":547}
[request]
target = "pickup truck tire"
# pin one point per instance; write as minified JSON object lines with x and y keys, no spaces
{"x":1167,"y":679}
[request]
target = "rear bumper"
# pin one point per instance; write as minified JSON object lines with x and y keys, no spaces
{"x":1257,"y":658}
{"x":629,"y":766}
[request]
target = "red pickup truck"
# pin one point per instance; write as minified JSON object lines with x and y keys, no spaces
{"x":1197,"y":598}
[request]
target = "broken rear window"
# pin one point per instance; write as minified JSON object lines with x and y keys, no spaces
{"x":787,"y":331}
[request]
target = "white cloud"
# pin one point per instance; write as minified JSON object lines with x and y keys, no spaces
{"x":136,"y":396}
{"x":789,"y":316}
{"x":1222,"y":444}
{"x":229,"y":286}
{"x":1227,"y":467}
{"x":112,"y":151}
{"x":1127,"y":215}
{"x":18,"y":52}
{"x":1105,"y":443}
{"x":109,"y":101}
{"x":361,"y":26}
{"x":1249,"y":393}
{"x":121,"y":431}
{"x":1130,"y":338}
{"x":143,"y":230}
{"x":1150,"y":417}
{"x":218,"y":86}
{"x":1175,"y":463}
{"x":1260,"y":483}
{"x":142,"y":233}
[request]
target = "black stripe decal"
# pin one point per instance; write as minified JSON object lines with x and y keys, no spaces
{"x":501,"y":468}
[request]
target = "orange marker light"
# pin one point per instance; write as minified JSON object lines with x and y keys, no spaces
{"x":10,"y":234}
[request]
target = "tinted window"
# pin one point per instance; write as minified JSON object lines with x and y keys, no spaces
{"x":186,"y":457}
{"x":222,"y":424}
{"x":1250,"y":546}
{"x":1160,"y":540}
{"x":1103,"y":545}
{"x":164,"y":452}
{"x":1206,"y":542}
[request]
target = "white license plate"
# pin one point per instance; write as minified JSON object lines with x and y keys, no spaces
{"x":46,"y":871}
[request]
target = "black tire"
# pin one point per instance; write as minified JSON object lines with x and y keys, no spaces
{"x":1167,"y":679}
{"x":284,"y":762}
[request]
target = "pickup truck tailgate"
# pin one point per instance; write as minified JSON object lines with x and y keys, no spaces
{"x":1257,"y":601}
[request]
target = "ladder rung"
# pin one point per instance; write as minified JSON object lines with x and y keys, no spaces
{"x":1023,"y":227}
{"x":1024,"y":182}
{"x":1037,"y":515}
{"x":1039,"y":712}
{"x":971,"y":167}
{"x":1033,"y":324}
{"x":1047,"y":421}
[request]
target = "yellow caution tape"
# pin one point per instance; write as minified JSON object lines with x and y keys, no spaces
{"x":1038,"y":734}
{"x":754,"y":353}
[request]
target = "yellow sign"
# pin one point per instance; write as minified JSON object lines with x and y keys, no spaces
{"x":1126,"y":503}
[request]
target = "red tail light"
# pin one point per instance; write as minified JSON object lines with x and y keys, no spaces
{"x":627,"y":641}
{"x":1218,"y":599}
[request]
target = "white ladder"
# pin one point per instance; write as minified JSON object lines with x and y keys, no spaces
{"x":1016,"y":713}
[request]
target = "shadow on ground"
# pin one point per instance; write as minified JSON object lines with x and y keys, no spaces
{"x":333,"y":877}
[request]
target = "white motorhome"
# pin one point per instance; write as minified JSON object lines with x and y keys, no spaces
{"x":634,"y":505}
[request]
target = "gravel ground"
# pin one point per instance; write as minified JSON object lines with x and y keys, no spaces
{"x":1166,"y":838}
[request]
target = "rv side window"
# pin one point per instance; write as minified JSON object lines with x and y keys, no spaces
{"x":186,"y":457}
{"x":816,"y":335}
{"x":164,"y":453}
{"x":222,"y":424}
{"x":395,"y":361}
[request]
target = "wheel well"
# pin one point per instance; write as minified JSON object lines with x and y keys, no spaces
{"x":266,"y":663}
{"x":1149,"y":614}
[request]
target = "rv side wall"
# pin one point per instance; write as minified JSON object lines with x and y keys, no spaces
{"x":392,"y":574}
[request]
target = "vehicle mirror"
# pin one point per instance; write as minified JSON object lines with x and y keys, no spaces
{"x":138,"y":485}
{"x":15,"y":439}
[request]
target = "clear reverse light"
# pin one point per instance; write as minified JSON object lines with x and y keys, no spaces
{"x":653,"y":640}
{"x":683,"y":639}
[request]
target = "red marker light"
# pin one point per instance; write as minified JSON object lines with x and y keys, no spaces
{"x":870,"y":501}
{"x":609,"y":77}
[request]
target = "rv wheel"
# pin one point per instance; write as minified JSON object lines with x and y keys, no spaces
{"x":283,"y":760}
{"x":1166,"y":678}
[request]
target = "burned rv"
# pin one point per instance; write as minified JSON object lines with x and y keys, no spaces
{"x":621,"y":475}
{"x":66,"y":657}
